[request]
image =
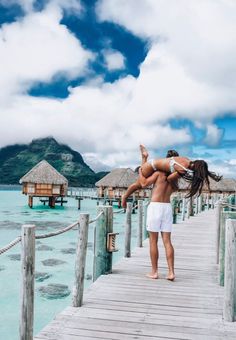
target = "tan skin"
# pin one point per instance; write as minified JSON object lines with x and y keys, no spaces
{"x":161,"y":164}
{"x":163,"y":187}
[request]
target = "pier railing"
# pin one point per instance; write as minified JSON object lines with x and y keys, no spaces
{"x":226,"y":254}
{"x":104,"y":246}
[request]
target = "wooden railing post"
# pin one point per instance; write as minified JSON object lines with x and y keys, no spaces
{"x":146,"y":234}
{"x":219,"y":210}
{"x":200,"y":203}
{"x":175,"y":209}
{"x":128,"y":230}
{"x":189,"y":208}
{"x":27,"y":282}
{"x":80,"y":260}
{"x":183,"y":208}
{"x":222,"y":249}
{"x":102,"y":258}
{"x":140,"y":224}
{"x":230,"y":270}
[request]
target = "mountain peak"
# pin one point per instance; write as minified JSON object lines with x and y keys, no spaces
{"x":17,"y":160}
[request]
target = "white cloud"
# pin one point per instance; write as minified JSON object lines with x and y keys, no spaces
{"x":189,"y":72}
{"x":213,"y":136}
{"x":114,"y":60}
{"x":36,"y":49}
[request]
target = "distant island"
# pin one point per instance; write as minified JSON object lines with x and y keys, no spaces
{"x":18,"y":159}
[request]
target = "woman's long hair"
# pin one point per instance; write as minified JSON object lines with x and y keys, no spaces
{"x":200,"y":177}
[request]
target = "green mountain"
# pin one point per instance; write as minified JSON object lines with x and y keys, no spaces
{"x":17,"y":160}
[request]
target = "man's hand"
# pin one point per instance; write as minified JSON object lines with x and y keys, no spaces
{"x":123,"y":201}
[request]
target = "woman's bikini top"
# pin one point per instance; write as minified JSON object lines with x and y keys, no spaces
{"x":172,"y":168}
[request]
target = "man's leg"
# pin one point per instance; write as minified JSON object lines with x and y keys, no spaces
{"x":166,"y":237}
{"x":154,"y":254}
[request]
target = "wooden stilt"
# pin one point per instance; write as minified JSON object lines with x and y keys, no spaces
{"x":30,"y":201}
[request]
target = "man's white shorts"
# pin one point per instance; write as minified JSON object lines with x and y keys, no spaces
{"x":159,"y":217}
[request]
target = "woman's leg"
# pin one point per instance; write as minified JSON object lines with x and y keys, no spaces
{"x":146,"y":170}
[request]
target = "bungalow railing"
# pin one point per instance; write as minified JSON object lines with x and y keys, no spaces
{"x":104,"y":246}
{"x":226,"y":254}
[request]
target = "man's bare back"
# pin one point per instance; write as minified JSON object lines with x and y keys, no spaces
{"x":162,"y":189}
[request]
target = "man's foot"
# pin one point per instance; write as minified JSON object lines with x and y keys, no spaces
{"x":171,"y":277}
{"x":143,"y":151}
{"x":153,"y":275}
{"x":123,"y":202}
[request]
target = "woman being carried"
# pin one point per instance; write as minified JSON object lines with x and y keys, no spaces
{"x":196,"y":172}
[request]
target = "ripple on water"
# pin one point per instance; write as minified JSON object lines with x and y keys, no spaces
{"x":42,"y":276}
{"x":2,"y":268}
{"x":54,"y":291}
{"x":45,"y":247}
{"x":68,"y":251}
{"x":9,"y":225}
{"x":52,"y":262}
{"x":14,"y":257}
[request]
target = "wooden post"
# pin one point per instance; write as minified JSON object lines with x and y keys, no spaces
{"x":189,"y":208}
{"x":102,"y":258}
{"x":27,"y":281}
{"x":199,"y":201}
{"x":146,"y":234}
{"x":140,"y":224}
{"x":207,"y":202}
{"x":183,"y":208}
{"x":222,"y":249}
{"x":30,"y":201}
{"x":80,"y":261}
{"x":230,"y":270}
{"x":128,"y":230}
{"x":174,"y":209}
{"x":196,"y":205}
{"x":218,"y":231}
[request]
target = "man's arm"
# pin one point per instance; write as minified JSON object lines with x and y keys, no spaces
{"x":173,"y":180}
{"x":145,"y":182}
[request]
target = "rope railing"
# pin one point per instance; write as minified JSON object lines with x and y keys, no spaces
{"x":10,"y":245}
{"x":37,"y":237}
{"x":55,"y":233}
{"x":96,"y":218}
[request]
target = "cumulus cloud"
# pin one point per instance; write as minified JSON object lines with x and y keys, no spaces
{"x":213,"y":135}
{"x":35,"y":49}
{"x":114,"y":60}
{"x":189,"y":72}
{"x":192,"y":52}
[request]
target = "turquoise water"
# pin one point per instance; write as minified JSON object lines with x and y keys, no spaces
{"x":14,"y":212}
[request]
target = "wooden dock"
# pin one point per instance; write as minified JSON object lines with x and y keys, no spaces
{"x":127,"y":305}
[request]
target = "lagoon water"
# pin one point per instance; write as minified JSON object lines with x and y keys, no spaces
{"x":55,"y":257}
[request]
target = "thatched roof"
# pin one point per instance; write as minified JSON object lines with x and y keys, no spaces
{"x":118,"y":178}
{"x":44,"y":173}
{"x":225,"y":185}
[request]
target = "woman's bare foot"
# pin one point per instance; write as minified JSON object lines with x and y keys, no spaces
{"x":153,"y":275}
{"x":171,"y":277}
{"x":144,"y":152}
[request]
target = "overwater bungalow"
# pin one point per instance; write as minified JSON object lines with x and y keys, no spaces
{"x":113,"y":185}
{"x":226,"y":186}
{"x":44,"y":181}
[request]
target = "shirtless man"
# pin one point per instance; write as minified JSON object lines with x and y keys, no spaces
{"x":160,"y":218}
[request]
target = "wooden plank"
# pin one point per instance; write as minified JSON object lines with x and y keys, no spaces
{"x":127,"y":305}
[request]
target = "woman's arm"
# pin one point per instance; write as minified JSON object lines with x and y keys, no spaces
{"x":145,"y":182}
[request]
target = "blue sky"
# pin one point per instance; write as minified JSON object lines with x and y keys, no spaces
{"x":105,"y":76}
